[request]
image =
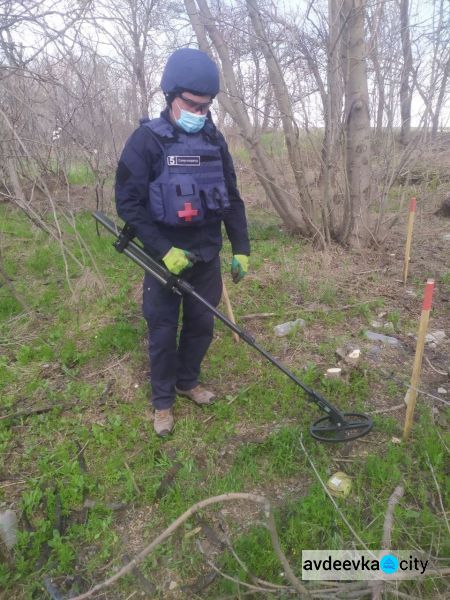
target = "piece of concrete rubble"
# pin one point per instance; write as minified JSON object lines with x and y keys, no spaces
{"x":409,"y":391}
{"x":8,"y":528}
{"x":376,"y":324}
{"x":435,"y":337}
{"x":387,"y":326}
{"x":442,"y":390}
{"x":384,"y":339}
{"x":374,"y":352}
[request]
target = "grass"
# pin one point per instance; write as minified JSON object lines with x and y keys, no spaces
{"x":80,"y":175}
{"x":87,"y":360}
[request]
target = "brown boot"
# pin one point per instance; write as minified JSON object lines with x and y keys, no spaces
{"x":163,"y":423}
{"x":199,"y":395}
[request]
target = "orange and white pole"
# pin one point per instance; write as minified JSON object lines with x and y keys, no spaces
{"x":411,"y":395}
{"x":412,"y":213}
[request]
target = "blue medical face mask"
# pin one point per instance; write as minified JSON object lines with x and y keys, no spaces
{"x":190,"y":122}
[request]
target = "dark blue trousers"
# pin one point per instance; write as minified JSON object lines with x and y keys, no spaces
{"x":177,"y":362}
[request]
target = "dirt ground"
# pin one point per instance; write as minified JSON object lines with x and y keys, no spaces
{"x":430,"y":258}
{"x":370,"y":274}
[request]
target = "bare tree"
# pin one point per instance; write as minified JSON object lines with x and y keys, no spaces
{"x":204,"y":25}
{"x":406,"y":89}
{"x":290,"y":128}
{"x":312,"y":77}
{"x":131,"y":27}
{"x":357,"y":120}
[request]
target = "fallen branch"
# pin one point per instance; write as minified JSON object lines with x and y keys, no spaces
{"x":257,"y":316}
{"x":34,"y":411}
{"x":389,"y":518}
{"x":261,"y":500}
{"x":51,"y":589}
{"x":256,"y":580}
{"x":147,"y":587}
{"x":434,"y":368}
{"x":106,"y":391}
{"x":167,"y":481}
{"x":369,"y":271}
{"x":385,"y":410}
{"x":397,"y":494}
{"x":249,"y":586}
{"x":336,"y":308}
{"x":198,"y":586}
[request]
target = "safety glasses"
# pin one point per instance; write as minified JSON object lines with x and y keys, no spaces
{"x":203,"y":107}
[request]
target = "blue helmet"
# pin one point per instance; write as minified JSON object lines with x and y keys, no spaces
{"x":190,"y":70}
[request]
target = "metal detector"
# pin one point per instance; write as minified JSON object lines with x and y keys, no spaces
{"x":335,"y":426}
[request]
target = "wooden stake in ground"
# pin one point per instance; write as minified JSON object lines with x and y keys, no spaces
{"x":411,"y":395}
{"x":226,"y":297}
{"x":412,"y":212}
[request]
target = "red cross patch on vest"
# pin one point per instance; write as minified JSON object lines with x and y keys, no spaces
{"x":188,"y":212}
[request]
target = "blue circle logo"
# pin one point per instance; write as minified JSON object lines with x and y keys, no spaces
{"x":389,"y":564}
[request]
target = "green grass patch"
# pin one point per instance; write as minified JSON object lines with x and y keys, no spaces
{"x":80,"y":175}
{"x":83,"y":359}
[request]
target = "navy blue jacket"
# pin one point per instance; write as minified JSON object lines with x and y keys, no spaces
{"x":141,"y":162}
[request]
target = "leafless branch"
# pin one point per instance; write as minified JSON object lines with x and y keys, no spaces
{"x":260,"y":500}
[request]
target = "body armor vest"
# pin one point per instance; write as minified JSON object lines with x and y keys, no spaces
{"x":191,"y":189}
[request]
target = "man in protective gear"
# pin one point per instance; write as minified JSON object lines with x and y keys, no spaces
{"x":176,"y":184}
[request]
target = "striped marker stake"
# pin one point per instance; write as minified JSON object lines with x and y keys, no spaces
{"x":411,"y":394}
{"x":412,"y":213}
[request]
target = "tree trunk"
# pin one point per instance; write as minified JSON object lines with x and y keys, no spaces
{"x":440,"y":100}
{"x":288,"y":121}
{"x":405,"y":82}
{"x":374,"y":53}
{"x":268,"y":99}
{"x":203,"y":22}
{"x":357,"y":119}
{"x":331,"y":99}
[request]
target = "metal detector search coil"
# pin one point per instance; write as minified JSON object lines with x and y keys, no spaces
{"x":335,"y":426}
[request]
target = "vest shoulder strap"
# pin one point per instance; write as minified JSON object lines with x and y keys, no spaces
{"x":161,"y":128}
{"x":166,"y":132}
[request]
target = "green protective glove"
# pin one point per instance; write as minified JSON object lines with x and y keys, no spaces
{"x":177,"y":260}
{"x":239,"y":267}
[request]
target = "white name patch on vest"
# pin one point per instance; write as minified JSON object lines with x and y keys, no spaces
{"x":183,"y":161}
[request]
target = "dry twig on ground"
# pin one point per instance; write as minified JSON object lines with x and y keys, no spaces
{"x":270,"y":524}
{"x":377,"y":588}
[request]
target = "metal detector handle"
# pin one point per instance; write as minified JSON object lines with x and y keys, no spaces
{"x":125,"y":236}
{"x":335,"y":427}
{"x":125,"y":245}
{"x":178,"y":285}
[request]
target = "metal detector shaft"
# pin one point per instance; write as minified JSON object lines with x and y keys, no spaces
{"x":178,"y":285}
